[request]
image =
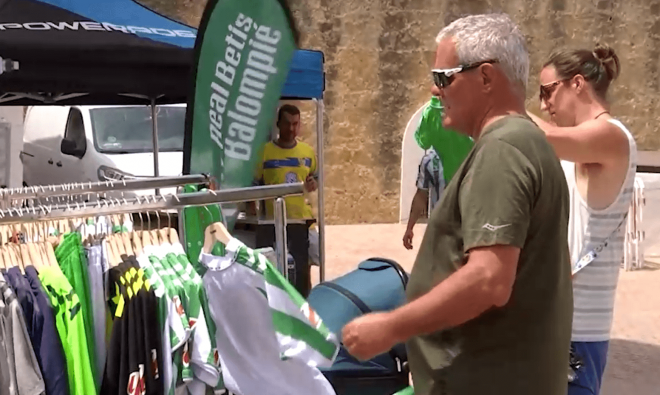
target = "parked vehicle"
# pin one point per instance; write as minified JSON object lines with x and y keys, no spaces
{"x":72,"y":144}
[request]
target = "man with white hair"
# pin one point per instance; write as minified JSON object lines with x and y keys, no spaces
{"x":490,"y":294}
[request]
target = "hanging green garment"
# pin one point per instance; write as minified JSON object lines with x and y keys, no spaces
{"x":195,"y":222}
{"x":406,"y":391}
{"x":452,"y":147}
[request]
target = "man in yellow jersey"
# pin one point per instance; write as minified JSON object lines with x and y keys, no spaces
{"x":287,"y":160}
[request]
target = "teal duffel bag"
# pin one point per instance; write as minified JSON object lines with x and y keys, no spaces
{"x":378,"y":284}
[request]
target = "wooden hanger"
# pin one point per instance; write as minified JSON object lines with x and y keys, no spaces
{"x":164,"y":235}
{"x":23,"y":256}
{"x":137,"y":243}
{"x":174,"y":236}
{"x":2,"y":257}
{"x":4,"y":230}
{"x":50,"y":251}
{"x":41,"y":250}
{"x":11,"y":254}
{"x":146,"y":238}
{"x":6,"y":257}
{"x":126,"y":241}
{"x":113,"y":254}
{"x":119,"y":245}
{"x":214,"y":233}
{"x":155,"y":237}
{"x":31,"y":253}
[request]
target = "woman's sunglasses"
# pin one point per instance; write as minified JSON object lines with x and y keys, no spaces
{"x":444,"y":77}
{"x":545,"y":91}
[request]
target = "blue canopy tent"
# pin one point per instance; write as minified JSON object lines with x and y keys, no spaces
{"x":118,"y":52}
{"x":82,"y":52}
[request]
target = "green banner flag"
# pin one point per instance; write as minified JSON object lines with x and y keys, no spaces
{"x":243,"y":51}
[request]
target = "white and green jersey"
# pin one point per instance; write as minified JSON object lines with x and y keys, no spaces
{"x":198,"y":353}
{"x":171,"y":324}
{"x":268,"y":335}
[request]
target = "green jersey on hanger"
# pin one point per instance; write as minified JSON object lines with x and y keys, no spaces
{"x":73,"y":263}
{"x":171,"y":321}
{"x":71,"y":329}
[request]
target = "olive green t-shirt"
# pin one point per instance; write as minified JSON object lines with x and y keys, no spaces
{"x":510,"y":190}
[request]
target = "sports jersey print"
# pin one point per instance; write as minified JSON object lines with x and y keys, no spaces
{"x":199,"y":346}
{"x":182,"y":356}
{"x":118,"y":359}
{"x":189,"y":270}
{"x":134,"y":363}
{"x":271,"y":333}
{"x":148,"y":333}
{"x":173,"y":332}
{"x":73,"y":263}
{"x":71,"y":329}
{"x":284,"y":166}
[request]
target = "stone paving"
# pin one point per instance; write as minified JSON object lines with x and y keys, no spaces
{"x":635,"y":347}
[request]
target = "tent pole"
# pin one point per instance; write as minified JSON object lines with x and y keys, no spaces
{"x":154,"y":133}
{"x":321,"y":219}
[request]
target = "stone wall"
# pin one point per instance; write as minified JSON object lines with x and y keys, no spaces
{"x":378,"y":56}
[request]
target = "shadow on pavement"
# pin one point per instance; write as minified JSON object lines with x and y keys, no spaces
{"x":632,"y":368}
{"x":650,"y":266}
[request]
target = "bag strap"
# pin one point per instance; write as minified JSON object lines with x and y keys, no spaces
{"x":593,"y":253}
{"x":350,"y":296}
{"x":399,"y":270}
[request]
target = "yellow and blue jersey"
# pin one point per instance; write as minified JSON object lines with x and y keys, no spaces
{"x":284,"y":166}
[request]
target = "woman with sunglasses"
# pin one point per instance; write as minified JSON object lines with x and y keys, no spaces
{"x":599,"y":158}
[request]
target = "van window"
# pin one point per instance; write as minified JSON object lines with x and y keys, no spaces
{"x":128,"y":129}
{"x":75,"y":129}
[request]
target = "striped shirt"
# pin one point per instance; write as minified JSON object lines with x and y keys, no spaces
{"x":430,"y":176}
{"x":594,"y":287}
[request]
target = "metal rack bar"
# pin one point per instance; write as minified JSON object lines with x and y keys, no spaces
{"x":280,"y":236}
{"x":147,"y":203}
{"x":321,"y":196}
{"x":154,"y":136}
{"x":43,"y":191}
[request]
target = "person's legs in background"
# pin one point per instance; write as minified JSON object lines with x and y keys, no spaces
{"x":589,"y":377}
{"x":314,"y":256}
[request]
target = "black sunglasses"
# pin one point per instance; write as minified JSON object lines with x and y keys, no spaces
{"x":444,"y":77}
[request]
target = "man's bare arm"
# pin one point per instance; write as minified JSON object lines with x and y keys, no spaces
{"x":419,"y":204}
{"x":484,"y":282}
{"x":595,"y":141}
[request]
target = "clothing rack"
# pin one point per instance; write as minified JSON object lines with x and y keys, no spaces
{"x":111,"y":206}
{"x":48,"y":191}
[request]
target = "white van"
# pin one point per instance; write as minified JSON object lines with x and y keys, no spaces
{"x":64,"y":144}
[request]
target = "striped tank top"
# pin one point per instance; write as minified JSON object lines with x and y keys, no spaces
{"x":594,"y":287}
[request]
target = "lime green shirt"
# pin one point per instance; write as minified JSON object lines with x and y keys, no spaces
{"x":71,"y":329}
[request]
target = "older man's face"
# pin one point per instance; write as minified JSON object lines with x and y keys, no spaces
{"x":458,"y":98}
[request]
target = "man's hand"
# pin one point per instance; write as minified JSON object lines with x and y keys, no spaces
{"x":369,"y":335}
{"x":251,"y":208}
{"x":310,"y":184}
{"x":408,"y":238}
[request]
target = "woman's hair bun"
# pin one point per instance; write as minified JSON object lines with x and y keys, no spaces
{"x":608,"y":58}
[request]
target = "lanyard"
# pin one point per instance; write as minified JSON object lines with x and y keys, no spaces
{"x":593,"y":254}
